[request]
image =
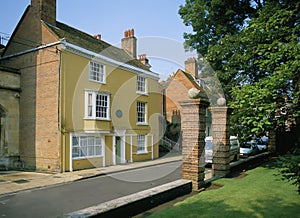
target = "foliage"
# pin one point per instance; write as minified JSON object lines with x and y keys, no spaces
{"x":290,"y":168}
{"x":212,"y":20}
{"x":253,"y":46}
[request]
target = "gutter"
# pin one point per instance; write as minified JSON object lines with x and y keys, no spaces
{"x":90,"y":54}
{"x":30,"y":50}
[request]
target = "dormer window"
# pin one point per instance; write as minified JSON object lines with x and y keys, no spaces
{"x":97,"y":72}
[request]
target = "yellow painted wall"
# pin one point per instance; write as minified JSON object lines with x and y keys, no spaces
{"x":121,"y":85}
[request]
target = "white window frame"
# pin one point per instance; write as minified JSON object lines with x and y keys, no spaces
{"x":84,"y":148}
{"x":97,"y":72}
{"x":91,"y":105}
{"x":141,"y":85}
{"x":141,"y":144}
{"x":144,"y":113}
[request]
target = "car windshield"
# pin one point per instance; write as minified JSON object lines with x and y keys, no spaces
{"x":246,"y":145}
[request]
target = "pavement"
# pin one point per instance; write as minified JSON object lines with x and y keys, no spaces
{"x":16,"y":181}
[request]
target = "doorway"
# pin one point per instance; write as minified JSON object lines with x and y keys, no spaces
{"x":119,"y":150}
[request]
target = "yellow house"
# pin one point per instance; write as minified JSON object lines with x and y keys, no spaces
{"x":84,"y":103}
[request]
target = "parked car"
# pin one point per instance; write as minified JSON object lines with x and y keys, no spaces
{"x":248,"y":148}
{"x":234,"y":149}
{"x":208,"y":149}
{"x":262,"y":144}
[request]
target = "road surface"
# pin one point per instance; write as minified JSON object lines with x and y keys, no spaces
{"x":58,"y":200}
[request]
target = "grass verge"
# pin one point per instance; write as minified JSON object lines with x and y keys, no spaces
{"x":258,"y":193}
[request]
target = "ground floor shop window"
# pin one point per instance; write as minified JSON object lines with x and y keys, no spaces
{"x":87,"y":147}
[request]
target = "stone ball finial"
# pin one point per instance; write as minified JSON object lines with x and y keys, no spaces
{"x":221,"y":101}
{"x":194,"y":93}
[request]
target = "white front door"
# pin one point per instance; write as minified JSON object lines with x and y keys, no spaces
{"x":119,"y":150}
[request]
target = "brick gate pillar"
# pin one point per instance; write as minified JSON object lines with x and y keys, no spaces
{"x":193,"y":135}
{"x":221,"y":142}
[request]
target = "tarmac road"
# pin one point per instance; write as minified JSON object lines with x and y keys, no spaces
{"x":61,"y":199}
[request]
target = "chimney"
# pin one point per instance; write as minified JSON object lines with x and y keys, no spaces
{"x":144,"y":60}
{"x":46,"y":9}
{"x":97,"y":36}
{"x":129,"y":43}
{"x":191,"y":67}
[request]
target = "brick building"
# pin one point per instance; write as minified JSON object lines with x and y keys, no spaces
{"x":84,"y":103}
{"x":176,"y":90}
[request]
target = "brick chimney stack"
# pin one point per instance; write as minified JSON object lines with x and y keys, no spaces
{"x":129,"y":43}
{"x":144,"y":60}
{"x":46,"y":9}
{"x":191,"y":67}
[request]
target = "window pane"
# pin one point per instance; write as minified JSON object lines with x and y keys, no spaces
{"x":98,"y":150}
{"x":97,"y":72}
{"x":97,"y":141}
{"x":141,"y":112}
{"x":141,"y":142}
{"x":86,"y":146}
{"x":90,"y":141}
{"x":75,"y":152}
{"x":90,"y":151}
{"x":101,"y":106}
{"x":83,"y":141}
{"x":75,"y":141}
{"x":83,"y":151}
{"x":141,"y":84}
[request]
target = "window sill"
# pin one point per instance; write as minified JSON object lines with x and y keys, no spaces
{"x":97,"y":119}
{"x":87,"y":157}
{"x":142,"y":93}
{"x":142,"y":152}
{"x":142,"y":124}
{"x":103,"y":83}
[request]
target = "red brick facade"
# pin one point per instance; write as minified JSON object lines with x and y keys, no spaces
{"x":39,"y":100}
{"x":176,"y":91}
{"x":193,"y":128}
{"x":221,"y":143}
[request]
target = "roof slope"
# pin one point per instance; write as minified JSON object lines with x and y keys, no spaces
{"x":87,"y":41}
{"x":189,"y":77}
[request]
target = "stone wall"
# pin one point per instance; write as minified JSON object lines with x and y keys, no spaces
{"x":9,"y":118}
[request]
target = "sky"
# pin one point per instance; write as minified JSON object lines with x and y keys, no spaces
{"x":157,"y":24}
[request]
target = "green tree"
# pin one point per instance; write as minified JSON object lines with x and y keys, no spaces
{"x":253,"y":46}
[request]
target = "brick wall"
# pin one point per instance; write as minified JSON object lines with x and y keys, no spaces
{"x":193,"y":134}
{"x":176,"y":91}
{"x":39,"y":112}
{"x":47,"y":110}
{"x":221,"y":142}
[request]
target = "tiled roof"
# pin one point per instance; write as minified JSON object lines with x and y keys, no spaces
{"x":166,"y":83}
{"x":87,"y":41}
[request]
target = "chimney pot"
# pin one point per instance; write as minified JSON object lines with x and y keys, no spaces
{"x":97,"y":36}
